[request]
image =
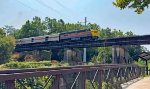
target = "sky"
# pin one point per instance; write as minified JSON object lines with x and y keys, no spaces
{"x":102,"y":12}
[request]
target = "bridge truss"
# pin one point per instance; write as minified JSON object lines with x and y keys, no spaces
{"x":120,"y":41}
{"x":77,"y":77}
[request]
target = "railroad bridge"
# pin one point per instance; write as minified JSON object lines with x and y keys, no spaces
{"x":100,"y":76}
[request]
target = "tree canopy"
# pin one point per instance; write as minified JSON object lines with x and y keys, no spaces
{"x":138,"y":5}
{"x":7,"y":45}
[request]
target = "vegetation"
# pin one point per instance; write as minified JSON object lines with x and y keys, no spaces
{"x":40,"y":64}
{"x":138,"y":5}
{"x":7,"y":45}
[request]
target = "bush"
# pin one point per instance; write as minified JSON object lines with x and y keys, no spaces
{"x":7,"y":45}
{"x":41,"y":64}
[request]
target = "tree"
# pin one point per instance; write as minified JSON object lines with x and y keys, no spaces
{"x":37,"y":27}
{"x":2,"y":32}
{"x":10,"y":30}
{"x":32,"y":28}
{"x":138,"y":5}
{"x":93,"y":26}
{"x":7,"y":45}
{"x":25,"y":31}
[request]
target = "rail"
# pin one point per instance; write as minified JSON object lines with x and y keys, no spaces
{"x":102,"y":76}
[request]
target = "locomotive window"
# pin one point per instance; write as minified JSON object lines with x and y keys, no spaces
{"x":32,"y":40}
{"x":65,"y":34}
{"x":46,"y":38}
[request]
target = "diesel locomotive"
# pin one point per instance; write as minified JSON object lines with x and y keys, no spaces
{"x":85,"y":34}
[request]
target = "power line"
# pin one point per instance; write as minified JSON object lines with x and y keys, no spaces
{"x":60,"y":4}
{"x":67,"y":9}
{"x":43,"y":4}
{"x":54,"y":10}
{"x":19,"y":1}
{"x":26,"y":5}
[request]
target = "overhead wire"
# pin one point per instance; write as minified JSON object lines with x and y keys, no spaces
{"x":67,"y":9}
{"x":60,"y":4}
{"x":49,"y":7}
{"x":19,"y":1}
{"x":33,"y":9}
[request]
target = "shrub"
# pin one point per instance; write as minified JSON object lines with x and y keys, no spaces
{"x":7,"y":45}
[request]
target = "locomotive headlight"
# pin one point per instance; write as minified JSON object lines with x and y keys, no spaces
{"x":94,"y":32}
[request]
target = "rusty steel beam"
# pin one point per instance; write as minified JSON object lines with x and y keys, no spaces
{"x":119,"y":72}
{"x":9,"y":71}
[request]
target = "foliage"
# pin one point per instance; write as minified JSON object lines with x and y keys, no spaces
{"x":7,"y":45}
{"x":149,"y":65}
{"x":138,"y":5}
{"x":140,"y":62}
{"x":40,"y":64}
{"x":2,"y":32}
{"x":10,"y":30}
{"x":31,"y":28}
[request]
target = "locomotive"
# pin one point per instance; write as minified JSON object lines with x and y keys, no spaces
{"x":64,"y":36}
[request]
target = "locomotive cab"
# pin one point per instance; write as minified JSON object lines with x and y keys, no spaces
{"x":86,"y":34}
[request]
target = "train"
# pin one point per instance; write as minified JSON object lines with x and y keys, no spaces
{"x":85,"y":34}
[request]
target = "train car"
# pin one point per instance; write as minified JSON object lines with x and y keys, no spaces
{"x":53,"y":37}
{"x":79,"y":35}
{"x":23,"y":41}
{"x":88,"y":34}
{"x":38,"y":39}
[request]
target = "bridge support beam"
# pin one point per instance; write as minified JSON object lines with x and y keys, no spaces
{"x":10,"y":84}
{"x":84,"y":55}
{"x":120,"y":55}
{"x":147,"y":67}
{"x":72,"y":56}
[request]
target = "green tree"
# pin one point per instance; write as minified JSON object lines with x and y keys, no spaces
{"x":117,"y":33}
{"x":93,"y":26}
{"x":25,"y":31}
{"x":37,"y":27}
{"x":10,"y":30}
{"x":32,"y":28}
{"x":7,"y":45}
{"x":104,"y":53}
{"x":2,"y":32}
{"x":138,"y":5}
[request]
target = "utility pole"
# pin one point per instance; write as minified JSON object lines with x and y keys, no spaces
{"x":84,"y":49}
{"x":85,"y":21}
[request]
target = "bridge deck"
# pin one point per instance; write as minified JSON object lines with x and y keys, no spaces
{"x":142,"y":84}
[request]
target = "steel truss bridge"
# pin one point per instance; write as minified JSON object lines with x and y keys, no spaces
{"x":104,"y":76}
{"x":134,"y":40}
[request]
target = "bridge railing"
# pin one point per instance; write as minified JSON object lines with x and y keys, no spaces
{"x":77,"y":77}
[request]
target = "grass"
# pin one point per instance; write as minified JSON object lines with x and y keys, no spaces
{"x":41,"y":64}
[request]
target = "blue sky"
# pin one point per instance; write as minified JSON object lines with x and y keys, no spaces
{"x":102,"y":12}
